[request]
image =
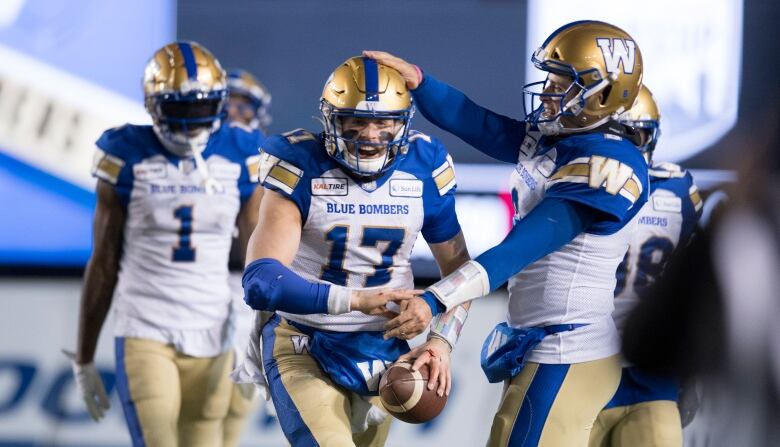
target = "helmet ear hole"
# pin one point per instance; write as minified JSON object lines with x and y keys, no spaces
{"x":605,"y":95}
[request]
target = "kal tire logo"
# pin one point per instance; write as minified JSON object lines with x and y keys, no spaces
{"x":329,"y":187}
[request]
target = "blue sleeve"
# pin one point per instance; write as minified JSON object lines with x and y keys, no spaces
{"x":114,"y":163}
{"x":494,"y":135}
{"x":610,"y":179}
{"x":284,"y":173}
{"x":440,"y":222}
{"x":686,"y":190}
{"x":269,"y":285}
{"x":244,"y":148}
{"x":549,"y":226}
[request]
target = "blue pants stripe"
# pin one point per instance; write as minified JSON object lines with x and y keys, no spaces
{"x":538,"y":400}
{"x":295,"y":430}
{"x":123,"y":388}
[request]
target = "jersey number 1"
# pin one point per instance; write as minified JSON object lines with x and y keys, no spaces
{"x":184,"y":251}
{"x":338,"y":236}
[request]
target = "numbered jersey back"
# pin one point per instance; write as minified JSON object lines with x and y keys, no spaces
{"x":355,"y":234}
{"x":664,"y":223}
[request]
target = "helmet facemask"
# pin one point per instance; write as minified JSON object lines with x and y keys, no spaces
{"x":345,"y":147}
{"x":184,"y":123}
{"x":571,"y":102}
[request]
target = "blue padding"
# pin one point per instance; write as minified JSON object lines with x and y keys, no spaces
{"x":123,"y":388}
{"x":372,"y":79}
{"x":536,"y":405}
{"x":295,"y":430}
{"x":269,"y":285}
{"x":189,"y":60}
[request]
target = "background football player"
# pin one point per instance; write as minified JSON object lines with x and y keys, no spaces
{"x":248,"y":104}
{"x":341,"y":212}
{"x":249,"y":101}
{"x":643,"y":411}
{"x":168,"y":198}
{"x":578,"y":183}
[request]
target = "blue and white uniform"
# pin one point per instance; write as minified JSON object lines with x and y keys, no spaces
{"x":643,"y":411}
{"x":173,"y":278}
{"x":575,"y":199}
{"x":354,"y":234}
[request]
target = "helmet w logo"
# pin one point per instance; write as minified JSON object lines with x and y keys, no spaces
{"x":617,"y":51}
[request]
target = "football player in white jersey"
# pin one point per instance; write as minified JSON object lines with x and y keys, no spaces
{"x":578,"y":183}
{"x":248,"y":104}
{"x":643,"y":411}
{"x":341,"y":212}
{"x":168,"y":198}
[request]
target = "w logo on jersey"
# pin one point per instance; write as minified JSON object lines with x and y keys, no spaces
{"x":617,"y":51}
{"x":300,"y":343}
{"x":609,"y":173}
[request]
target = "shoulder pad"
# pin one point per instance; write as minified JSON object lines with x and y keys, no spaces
{"x":666,"y":169}
{"x":417,"y":135}
{"x":299,"y":135}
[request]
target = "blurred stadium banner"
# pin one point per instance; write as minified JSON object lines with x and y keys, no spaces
{"x":692,"y":54}
{"x":58,"y":93}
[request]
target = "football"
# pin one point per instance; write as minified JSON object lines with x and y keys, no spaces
{"x":406,"y":396}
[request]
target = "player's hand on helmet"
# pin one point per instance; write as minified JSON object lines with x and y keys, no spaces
{"x":410,"y":72}
{"x":436,"y":353}
{"x":414,"y":317}
{"x":91,"y":387}
{"x":374,"y":302}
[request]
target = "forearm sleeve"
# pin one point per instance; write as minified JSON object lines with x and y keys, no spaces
{"x":269,"y":285}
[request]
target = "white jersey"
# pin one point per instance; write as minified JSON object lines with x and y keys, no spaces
{"x":173,"y":277}
{"x":575,"y":284}
{"x":664,"y":223}
{"x":355,"y":234}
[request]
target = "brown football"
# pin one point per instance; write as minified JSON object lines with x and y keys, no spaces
{"x":406,"y":396}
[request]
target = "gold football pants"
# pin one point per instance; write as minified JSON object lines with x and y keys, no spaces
{"x":171,"y":399}
{"x":646,"y":424}
{"x":312,"y":410}
{"x":554,"y":405}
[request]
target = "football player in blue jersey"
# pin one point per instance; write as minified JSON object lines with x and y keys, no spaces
{"x":643,"y":411}
{"x":579,"y":181}
{"x":248,"y":105}
{"x":168,"y":198}
{"x":341,"y":213}
{"x":249,"y":101}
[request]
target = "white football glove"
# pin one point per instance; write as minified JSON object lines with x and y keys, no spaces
{"x":90,"y":386}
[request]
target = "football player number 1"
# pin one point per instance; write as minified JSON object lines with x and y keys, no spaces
{"x":338,"y":237}
{"x":184,"y":251}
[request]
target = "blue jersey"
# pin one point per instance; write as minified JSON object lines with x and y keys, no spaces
{"x":173,"y":278}
{"x":601,"y":169}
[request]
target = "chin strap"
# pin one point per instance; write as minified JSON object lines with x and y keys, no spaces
{"x":212,"y":185}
